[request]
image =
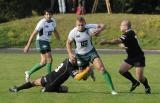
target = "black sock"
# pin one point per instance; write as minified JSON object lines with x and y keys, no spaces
{"x":129,"y":76}
{"x":145,"y":83}
{"x":25,"y":86}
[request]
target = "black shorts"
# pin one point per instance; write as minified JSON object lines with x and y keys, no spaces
{"x":138,"y":61}
{"x":48,"y":85}
{"x":54,"y":80}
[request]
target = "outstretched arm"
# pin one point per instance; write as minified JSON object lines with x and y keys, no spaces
{"x":29,"y":41}
{"x":114,"y":41}
{"x":95,"y":31}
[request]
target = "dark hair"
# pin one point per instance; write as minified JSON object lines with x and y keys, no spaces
{"x":49,"y":11}
{"x":80,"y":19}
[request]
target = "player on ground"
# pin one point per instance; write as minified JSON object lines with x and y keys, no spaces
{"x":43,"y":30}
{"x":85,"y":52}
{"x":135,"y":57}
{"x":53,"y":81}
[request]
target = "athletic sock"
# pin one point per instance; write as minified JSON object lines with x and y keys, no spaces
{"x":129,"y":76}
{"x":145,"y":83}
{"x":35,"y":68}
{"x":48,"y":67}
{"x":25,"y":86}
{"x":108,"y":79}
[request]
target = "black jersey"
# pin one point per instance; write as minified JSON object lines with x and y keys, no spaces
{"x":129,"y":39}
{"x":60,"y":74}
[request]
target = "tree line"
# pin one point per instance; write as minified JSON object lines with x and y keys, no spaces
{"x":13,"y":9}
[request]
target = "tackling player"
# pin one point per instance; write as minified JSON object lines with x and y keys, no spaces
{"x":53,"y":81}
{"x":135,"y":57}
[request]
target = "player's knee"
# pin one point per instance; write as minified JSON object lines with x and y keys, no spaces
{"x":121,"y":71}
{"x":101,"y":68}
{"x":43,"y":62}
{"x":33,"y":83}
{"x":141,"y":79}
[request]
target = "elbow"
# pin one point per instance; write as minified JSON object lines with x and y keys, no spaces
{"x":102,"y":26}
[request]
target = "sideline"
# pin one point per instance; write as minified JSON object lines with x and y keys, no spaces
{"x":63,"y":51}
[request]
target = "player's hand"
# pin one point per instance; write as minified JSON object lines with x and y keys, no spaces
{"x":122,"y":46}
{"x":103,"y":42}
{"x":73,"y":58}
{"x":26,"y":48}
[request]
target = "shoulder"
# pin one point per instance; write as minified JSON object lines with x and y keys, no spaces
{"x":91,"y":25}
{"x":73,"y":31}
{"x":130,"y":33}
{"x":42,"y":21}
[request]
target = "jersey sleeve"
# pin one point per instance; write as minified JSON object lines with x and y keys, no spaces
{"x":123,"y":38}
{"x":71,"y":35}
{"x":73,"y":73}
{"x":91,"y":31}
{"x":39,"y":26}
{"x":54,"y":22}
{"x":91,"y":25}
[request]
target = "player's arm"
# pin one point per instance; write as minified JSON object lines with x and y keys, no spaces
{"x":114,"y":41}
{"x":82,"y":74}
{"x":57,"y":35}
{"x":69,"y":50}
{"x":98,"y":29}
{"x":30,"y":41}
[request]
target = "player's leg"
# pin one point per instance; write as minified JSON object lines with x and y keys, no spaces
{"x":142,"y":79}
{"x":49,"y":61}
{"x":26,"y":85}
{"x":97,"y":62}
{"x":42,"y":47}
{"x":35,"y":67}
{"x":124,"y":71}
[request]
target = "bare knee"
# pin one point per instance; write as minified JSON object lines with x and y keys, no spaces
{"x":140,"y":78}
{"x":43,"y":61}
{"x":121,"y":71}
{"x":101,"y":68}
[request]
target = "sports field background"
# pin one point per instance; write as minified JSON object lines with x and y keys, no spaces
{"x":16,"y":33}
{"x":12,"y":72}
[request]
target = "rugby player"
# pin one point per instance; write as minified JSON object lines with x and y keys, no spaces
{"x":53,"y":81}
{"x":85,"y":53}
{"x":43,"y":31}
{"x":135,"y":56}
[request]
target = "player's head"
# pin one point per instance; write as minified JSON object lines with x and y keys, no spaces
{"x":125,"y":25}
{"x":48,"y":14}
{"x":80,"y":23}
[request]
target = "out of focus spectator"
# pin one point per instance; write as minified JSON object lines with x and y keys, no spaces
{"x":81,"y":9}
{"x":62,"y":6}
{"x":71,"y":6}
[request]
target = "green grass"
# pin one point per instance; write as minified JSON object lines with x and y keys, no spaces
{"x":16,"y":33}
{"x":14,"y":65}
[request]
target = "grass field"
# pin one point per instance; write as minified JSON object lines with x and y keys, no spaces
{"x":12,"y":73}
